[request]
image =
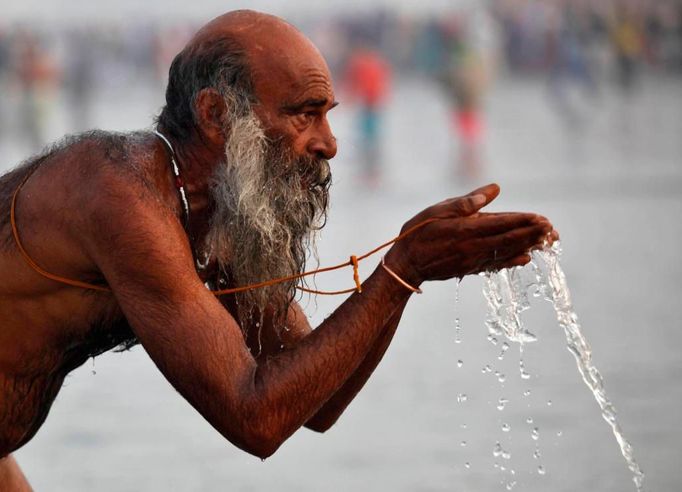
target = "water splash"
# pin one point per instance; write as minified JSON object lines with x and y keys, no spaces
{"x":506,"y":292}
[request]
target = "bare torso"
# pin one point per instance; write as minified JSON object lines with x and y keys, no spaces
{"x":48,"y":329}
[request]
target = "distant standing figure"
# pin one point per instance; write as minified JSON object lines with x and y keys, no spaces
{"x":627,"y":39}
{"x":36,"y":73}
{"x":368,"y":80}
{"x":466,"y":79}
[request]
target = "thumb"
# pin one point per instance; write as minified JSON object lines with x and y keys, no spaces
{"x":477,"y":199}
{"x":490,"y":191}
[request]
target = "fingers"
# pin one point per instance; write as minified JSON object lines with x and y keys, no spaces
{"x":517,"y":261}
{"x":482,"y":225}
{"x":508,"y":245}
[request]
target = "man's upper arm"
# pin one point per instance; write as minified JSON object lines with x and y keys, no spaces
{"x":144,"y":255}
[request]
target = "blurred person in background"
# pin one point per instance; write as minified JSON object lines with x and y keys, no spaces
{"x":36,"y":75}
{"x":80,"y":77}
{"x":628,"y":42}
{"x":367,"y":81}
{"x":115,"y":239}
{"x":571,"y":74}
{"x":469,"y":64}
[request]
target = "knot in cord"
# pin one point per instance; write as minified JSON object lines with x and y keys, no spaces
{"x":356,"y":274}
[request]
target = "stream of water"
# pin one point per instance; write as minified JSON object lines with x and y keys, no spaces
{"x":508,"y":294}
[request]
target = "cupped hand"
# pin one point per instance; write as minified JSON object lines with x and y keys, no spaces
{"x":464,"y":241}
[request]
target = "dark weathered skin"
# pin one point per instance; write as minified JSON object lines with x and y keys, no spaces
{"x":105,"y":210}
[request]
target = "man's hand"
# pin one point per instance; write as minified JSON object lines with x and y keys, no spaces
{"x":465,"y":241}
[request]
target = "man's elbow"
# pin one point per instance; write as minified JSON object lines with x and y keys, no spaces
{"x":321,"y":424}
{"x":261,"y":441}
{"x":260,"y":447}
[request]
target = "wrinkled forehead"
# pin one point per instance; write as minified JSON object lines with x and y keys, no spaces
{"x":284,"y":64}
{"x":287,"y":68}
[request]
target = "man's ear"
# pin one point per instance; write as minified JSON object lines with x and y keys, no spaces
{"x":211,"y":115}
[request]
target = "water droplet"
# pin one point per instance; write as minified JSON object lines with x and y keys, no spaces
{"x":559,"y":434}
{"x":467,"y":465}
{"x":541,"y":470}
{"x":461,"y":398}
{"x":505,"y":347}
{"x":463,"y":443}
{"x":510,"y":485}
{"x":463,"y":426}
{"x":501,"y":378}
{"x":506,"y":455}
{"x":497,"y":450}
{"x":536,"y":454}
{"x":549,"y":403}
{"x":526,"y":393}
{"x":529,"y":420}
{"x":501,"y":403}
{"x":460,"y":363}
{"x":506,"y":427}
{"x":535,"y":434}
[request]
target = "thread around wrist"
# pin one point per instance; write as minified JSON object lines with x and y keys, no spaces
{"x":416,"y":290}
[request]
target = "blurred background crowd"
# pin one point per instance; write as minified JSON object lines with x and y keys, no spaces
{"x":581,"y":48}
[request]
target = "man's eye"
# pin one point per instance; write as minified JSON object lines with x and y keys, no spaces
{"x":305,"y":118}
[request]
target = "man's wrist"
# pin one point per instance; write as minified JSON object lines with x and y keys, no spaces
{"x":396,"y":265}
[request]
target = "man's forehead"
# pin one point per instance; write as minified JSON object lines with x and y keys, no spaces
{"x":281,"y":59}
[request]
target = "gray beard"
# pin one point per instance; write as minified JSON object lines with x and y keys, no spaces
{"x":268,"y":206}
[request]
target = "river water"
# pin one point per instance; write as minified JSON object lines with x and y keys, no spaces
{"x":613,"y":191}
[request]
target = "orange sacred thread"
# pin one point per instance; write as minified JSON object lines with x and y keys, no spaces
{"x":353,"y":261}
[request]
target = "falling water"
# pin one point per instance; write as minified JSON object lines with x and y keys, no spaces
{"x":507,"y":294}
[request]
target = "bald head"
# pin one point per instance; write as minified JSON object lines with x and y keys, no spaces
{"x":251,"y":53}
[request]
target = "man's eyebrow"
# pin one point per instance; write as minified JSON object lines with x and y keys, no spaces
{"x":308,"y":103}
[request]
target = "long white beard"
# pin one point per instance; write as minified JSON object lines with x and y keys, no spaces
{"x":267,"y":207}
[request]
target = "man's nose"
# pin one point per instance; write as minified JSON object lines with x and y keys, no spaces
{"x":323,"y":143}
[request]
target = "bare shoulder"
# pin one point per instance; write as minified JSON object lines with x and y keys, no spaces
{"x":83,"y":190}
{"x":128,"y":206}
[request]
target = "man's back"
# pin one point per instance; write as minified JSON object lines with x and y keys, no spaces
{"x":50,"y":328}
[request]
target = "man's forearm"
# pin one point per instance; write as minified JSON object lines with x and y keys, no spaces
{"x":288,"y":389}
{"x":332,"y":410}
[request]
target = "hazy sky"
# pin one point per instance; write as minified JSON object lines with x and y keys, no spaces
{"x":56,"y":11}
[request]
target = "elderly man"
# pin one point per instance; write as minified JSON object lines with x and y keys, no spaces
{"x":113,"y":239}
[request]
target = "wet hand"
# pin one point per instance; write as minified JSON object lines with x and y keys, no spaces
{"x":464,"y":241}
